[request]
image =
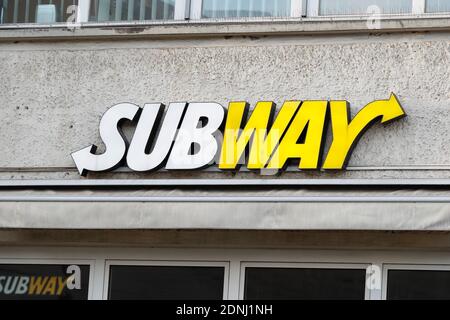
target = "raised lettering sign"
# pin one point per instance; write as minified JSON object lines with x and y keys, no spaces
{"x":188,"y":136}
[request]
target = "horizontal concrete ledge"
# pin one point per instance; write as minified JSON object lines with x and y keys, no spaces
{"x":16,"y":183}
{"x":184,"y":29}
{"x":229,"y":199}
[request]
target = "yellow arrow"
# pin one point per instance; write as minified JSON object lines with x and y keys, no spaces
{"x":346,"y":135}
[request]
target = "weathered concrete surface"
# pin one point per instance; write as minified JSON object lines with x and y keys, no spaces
{"x":52,"y":94}
{"x":214,"y":27}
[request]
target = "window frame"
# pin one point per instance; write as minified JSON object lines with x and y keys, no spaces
{"x":408,"y":267}
{"x":298,"y":10}
{"x":191,"y":10}
{"x":304,"y":265}
{"x":434,"y":13}
{"x":55,"y":261}
{"x":81,"y":16}
{"x":180,"y":13}
{"x":418,"y":8}
{"x":96,"y":258}
{"x":166,"y":263}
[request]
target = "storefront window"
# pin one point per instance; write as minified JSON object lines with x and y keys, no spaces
{"x":304,"y":283}
{"x":418,"y":284}
{"x":245,"y":8}
{"x":44,"y":282}
{"x":437,"y":6}
{"x":35,"y":11}
{"x":361,"y":7}
{"x":123,"y":10}
{"x":166,"y":282}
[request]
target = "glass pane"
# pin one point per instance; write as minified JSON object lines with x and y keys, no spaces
{"x":348,"y":7}
{"x":44,"y":282}
{"x":162,"y":282}
{"x":35,"y":11}
{"x":245,"y":8}
{"x":418,"y":284}
{"x":128,"y":10}
{"x":438,"y":6}
{"x":295,"y":283}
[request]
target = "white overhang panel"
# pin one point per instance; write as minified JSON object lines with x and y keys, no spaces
{"x":275,"y":209}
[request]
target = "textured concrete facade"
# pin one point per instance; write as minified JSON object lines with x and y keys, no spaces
{"x":54,"y":91}
{"x":390,"y":208}
{"x":53,"y":94}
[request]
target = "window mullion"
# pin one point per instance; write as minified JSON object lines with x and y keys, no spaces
{"x":374,"y":280}
{"x":83,"y":11}
{"x":196,"y":9}
{"x":313,"y":8}
{"x":297,"y":8}
{"x":182,"y":9}
{"x":418,"y":6}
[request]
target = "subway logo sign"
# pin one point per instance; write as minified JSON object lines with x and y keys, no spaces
{"x":44,"y":282}
{"x":190,"y":136}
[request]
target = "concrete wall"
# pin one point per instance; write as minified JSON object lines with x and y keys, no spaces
{"x":53,"y":93}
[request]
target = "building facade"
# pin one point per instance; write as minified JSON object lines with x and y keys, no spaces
{"x":376,"y":227}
